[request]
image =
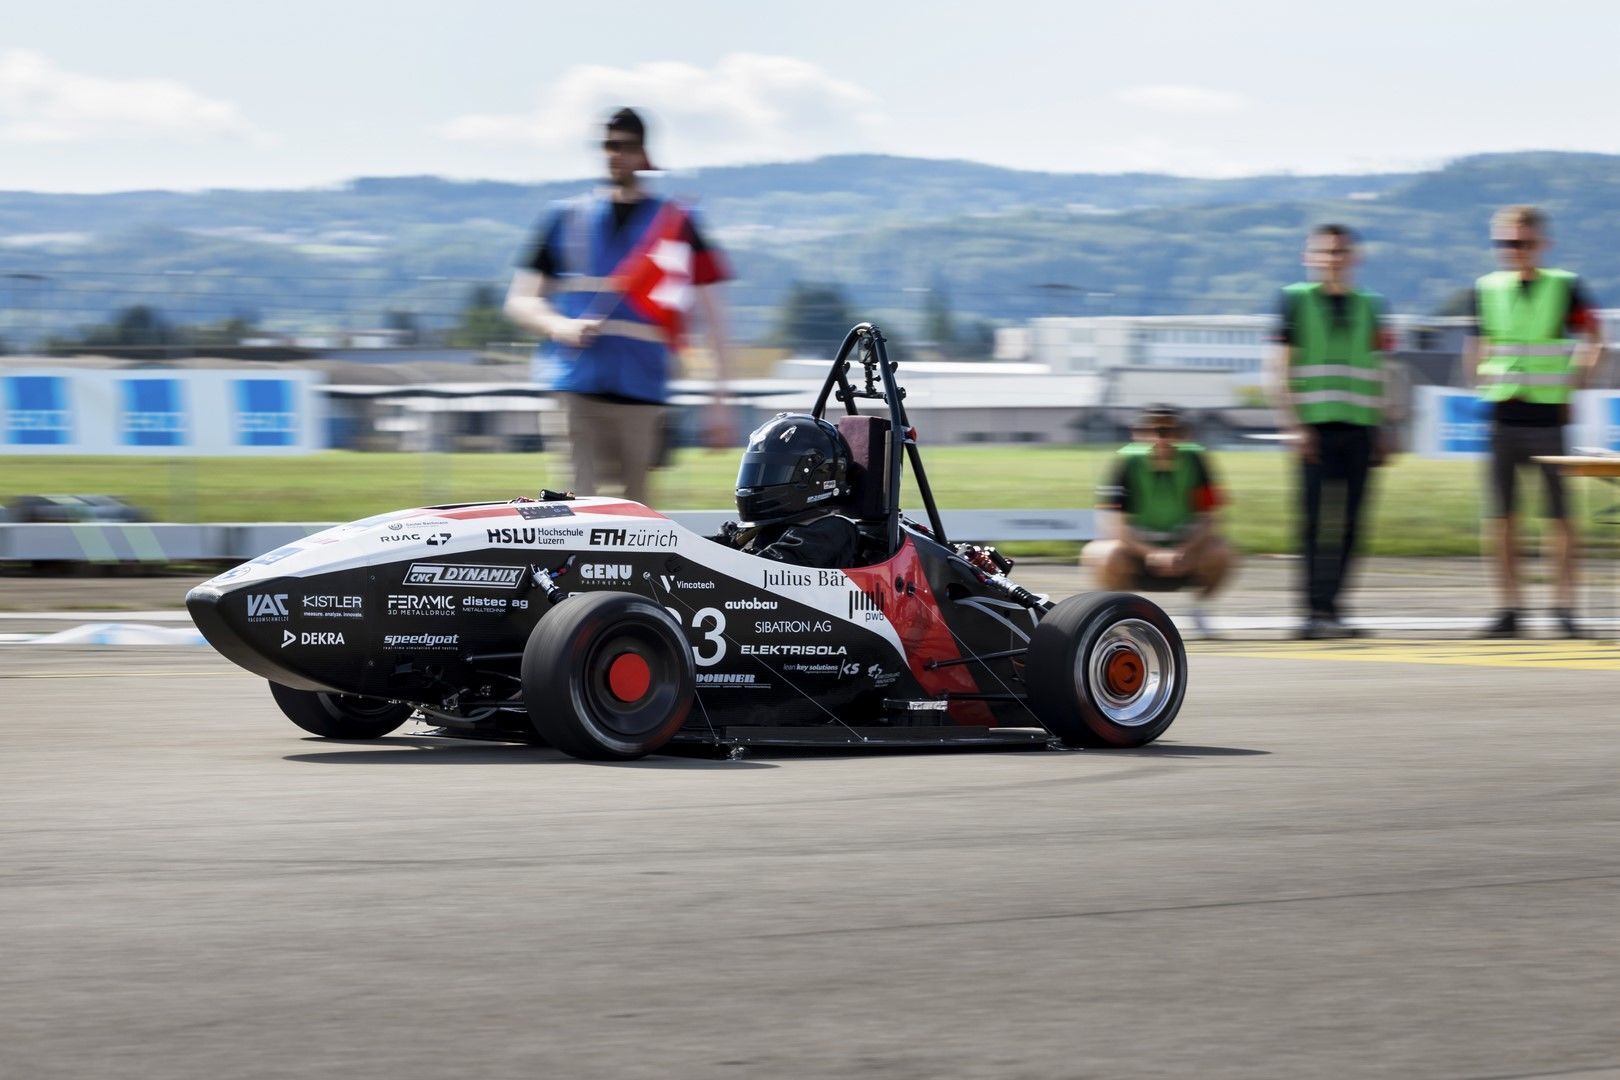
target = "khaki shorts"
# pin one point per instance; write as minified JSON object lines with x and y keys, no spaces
{"x":611,"y":441}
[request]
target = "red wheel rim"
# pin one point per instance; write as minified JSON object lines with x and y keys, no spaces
{"x":629,"y":677}
{"x":1124,"y":673}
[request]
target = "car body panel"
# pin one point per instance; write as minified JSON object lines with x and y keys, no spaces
{"x":420,"y":605}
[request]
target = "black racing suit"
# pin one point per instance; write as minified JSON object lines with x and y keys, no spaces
{"x":828,"y":542}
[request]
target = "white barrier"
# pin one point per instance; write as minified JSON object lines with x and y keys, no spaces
{"x":160,"y":412}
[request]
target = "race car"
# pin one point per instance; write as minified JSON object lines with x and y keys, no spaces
{"x":605,"y":629}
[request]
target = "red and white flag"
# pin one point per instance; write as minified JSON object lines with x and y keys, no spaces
{"x":655,"y":280}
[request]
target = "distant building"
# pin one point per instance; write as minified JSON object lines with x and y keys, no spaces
{"x":1106,"y":343}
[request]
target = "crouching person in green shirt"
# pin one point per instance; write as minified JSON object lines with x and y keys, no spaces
{"x":1159,"y":532}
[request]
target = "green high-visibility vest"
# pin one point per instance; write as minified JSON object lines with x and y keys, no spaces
{"x":1161,"y":499}
{"x":1335,"y":371}
{"x":1526,"y":354}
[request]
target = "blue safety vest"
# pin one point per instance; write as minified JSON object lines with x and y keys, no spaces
{"x":631,"y":356}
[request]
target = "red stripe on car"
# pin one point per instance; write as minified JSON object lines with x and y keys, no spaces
{"x":487,"y":512}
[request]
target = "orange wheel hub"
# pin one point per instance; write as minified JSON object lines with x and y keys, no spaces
{"x":1124,"y":673}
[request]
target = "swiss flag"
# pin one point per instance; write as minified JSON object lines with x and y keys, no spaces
{"x":656,"y":278}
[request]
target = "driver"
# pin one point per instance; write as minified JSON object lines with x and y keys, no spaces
{"x":796,"y":468}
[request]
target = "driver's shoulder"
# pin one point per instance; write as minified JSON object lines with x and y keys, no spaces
{"x":833,"y":525}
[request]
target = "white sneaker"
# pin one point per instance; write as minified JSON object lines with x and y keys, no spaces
{"x":1200,"y":624}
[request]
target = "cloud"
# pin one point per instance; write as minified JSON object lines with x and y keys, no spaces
{"x":43,"y":103}
{"x":1180,"y":100}
{"x":748,"y":107}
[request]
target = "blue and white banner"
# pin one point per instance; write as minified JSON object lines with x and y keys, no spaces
{"x":72,"y":411}
{"x":1452,"y":423}
{"x":39,"y":411}
{"x":1597,"y":414}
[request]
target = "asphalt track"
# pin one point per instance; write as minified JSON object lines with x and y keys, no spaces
{"x":1332,"y":867}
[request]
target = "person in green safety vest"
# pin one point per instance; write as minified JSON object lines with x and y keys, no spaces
{"x":1328,"y":375}
{"x":1536,"y":340}
{"x":1161,"y":533}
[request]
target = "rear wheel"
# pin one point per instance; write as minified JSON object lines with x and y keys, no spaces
{"x":607,"y":676}
{"x":339,"y":716}
{"x":1106,"y":670}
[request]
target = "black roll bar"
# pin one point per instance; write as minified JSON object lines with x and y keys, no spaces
{"x":879,"y":384}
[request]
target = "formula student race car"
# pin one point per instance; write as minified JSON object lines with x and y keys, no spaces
{"x":607,"y":630}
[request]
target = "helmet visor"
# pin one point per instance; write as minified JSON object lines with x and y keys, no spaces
{"x":767,"y":470}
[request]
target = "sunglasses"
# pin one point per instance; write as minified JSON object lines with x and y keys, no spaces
{"x":1513,"y":245}
{"x":1157,"y":432}
{"x":610,"y":145}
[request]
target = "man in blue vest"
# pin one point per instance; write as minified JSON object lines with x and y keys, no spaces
{"x":612,"y":358}
{"x":1536,"y":340}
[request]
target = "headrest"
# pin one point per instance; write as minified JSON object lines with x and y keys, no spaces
{"x":868,"y":439}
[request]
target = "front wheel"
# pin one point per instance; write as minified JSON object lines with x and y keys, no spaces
{"x":607,"y":676}
{"x":1106,"y":670}
{"x":339,"y":716}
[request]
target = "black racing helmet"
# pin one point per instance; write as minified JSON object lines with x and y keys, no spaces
{"x":794,"y":465}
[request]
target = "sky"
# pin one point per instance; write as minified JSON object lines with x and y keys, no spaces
{"x":188,"y":95}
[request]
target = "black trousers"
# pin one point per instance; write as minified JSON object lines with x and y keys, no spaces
{"x":1334,"y":487}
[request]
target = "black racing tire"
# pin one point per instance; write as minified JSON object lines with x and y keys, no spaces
{"x":1107,"y":669}
{"x":607,"y":676}
{"x":339,"y":716}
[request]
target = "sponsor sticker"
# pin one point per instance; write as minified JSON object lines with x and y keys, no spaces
{"x":537,"y":537}
{"x":762,"y":649}
{"x":421,"y":641}
{"x":421,"y":604}
{"x":332,"y":606}
{"x":775,"y":579}
{"x":635,"y":538}
{"x":881,"y":677}
{"x":312,"y":637}
{"x":489,"y":605}
{"x":267,"y":607}
{"x":868,"y":604}
{"x":837,"y":669}
{"x":469,"y":576}
{"x":605,"y":573}
{"x":751,"y":604}
{"x":746,"y":680}
{"x":793,"y":626}
{"x":536,"y":511}
{"x":669,"y":583}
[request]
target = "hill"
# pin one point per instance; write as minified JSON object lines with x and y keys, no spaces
{"x":887,"y":229}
